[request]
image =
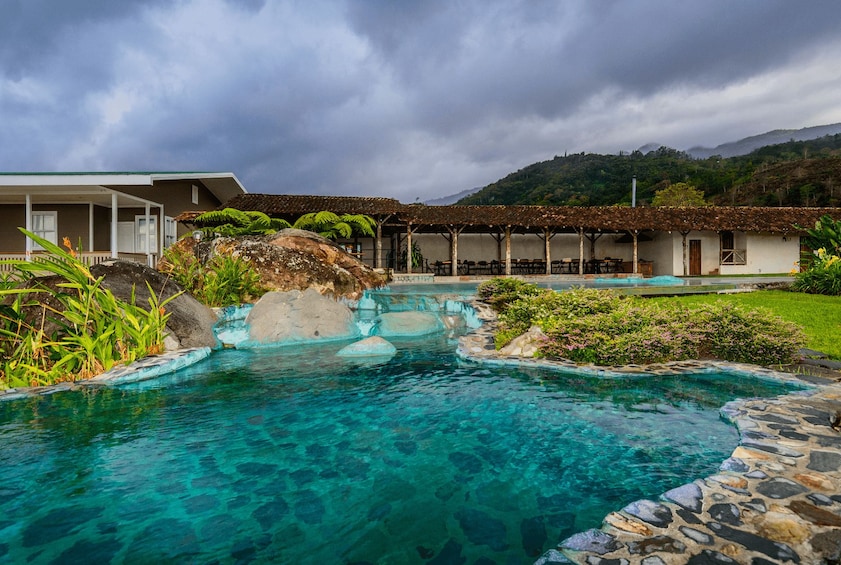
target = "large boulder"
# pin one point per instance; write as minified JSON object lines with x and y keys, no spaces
{"x":190,"y":323}
{"x":295,"y":316}
{"x":294,"y":260}
{"x":407,"y":324}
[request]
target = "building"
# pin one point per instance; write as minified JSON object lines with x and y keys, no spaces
{"x":108,"y":215}
{"x":458,"y":240}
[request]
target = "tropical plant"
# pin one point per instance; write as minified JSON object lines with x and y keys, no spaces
{"x":334,"y":226}
{"x":222,"y":281}
{"x":822,"y":275}
{"x":230,"y":222}
{"x":73,"y":328}
{"x":825,"y":235}
{"x":679,"y":194}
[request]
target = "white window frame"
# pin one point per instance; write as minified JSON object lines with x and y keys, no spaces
{"x":140,"y":233}
{"x":49,"y":235}
{"x":194,"y":196}
{"x":170,"y":231}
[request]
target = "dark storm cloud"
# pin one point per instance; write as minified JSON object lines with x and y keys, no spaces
{"x":408,"y":99}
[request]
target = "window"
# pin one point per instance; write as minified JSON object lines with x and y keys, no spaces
{"x":140,"y":234}
{"x":45,"y":224}
{"x":170,"y":231}
{"x":195,"y":195}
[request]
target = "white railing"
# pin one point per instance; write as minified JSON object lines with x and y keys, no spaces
{"x":734,"y":256}
{"x":88,"y":258}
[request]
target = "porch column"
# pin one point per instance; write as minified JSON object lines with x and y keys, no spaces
{"x":507,"y":250}
{"x":378,"y":245}
{"x":547,"y":236}
{"x":90,"y":226}
{"x":409,"y":248}
{"x":28,"y":222}
{"x":581,"y":251}
{"x":161,"y":234}
{"x":685,"y":263}
{"x":114,"y":217}
{"x":635,"y":234}
{"x":148,"y":236}
{"x":454,"y":233}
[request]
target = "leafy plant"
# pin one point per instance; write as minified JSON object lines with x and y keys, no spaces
{"x":334,"y":226}
{"x":500,"y":292}
{"x":73,"y":329}
{"x":596,"y":326}
{"x":230,"y":222}
{"x":822,"y":275}
{"x":825,"y":235}
{"x":222,"y":281}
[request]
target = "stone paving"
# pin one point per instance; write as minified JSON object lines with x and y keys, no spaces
{"x":777,"y":499}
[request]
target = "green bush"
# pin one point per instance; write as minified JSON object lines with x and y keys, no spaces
{"x":72,"y":330}
{"x":500,"y":292}
{"x":823,"y":275}
{"x":222,"y":281}
{"x":597,"y":326}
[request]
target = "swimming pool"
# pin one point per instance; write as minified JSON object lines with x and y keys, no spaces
{"x":293,"y":455}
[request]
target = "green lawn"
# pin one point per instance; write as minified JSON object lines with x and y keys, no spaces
{"x":818,"y":315}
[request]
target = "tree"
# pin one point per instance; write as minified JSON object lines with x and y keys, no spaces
{"x":680,"y":195}
{"x":332,"y":226}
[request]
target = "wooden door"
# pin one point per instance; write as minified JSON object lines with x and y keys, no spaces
{"x":694,"y":257}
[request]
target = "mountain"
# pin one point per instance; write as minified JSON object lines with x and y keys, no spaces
{"x":777,"y":136}
{"x":794,"y":173}
{"x":453,"y":198}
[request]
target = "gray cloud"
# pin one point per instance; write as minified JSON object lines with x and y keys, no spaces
{"x":407,"y":99}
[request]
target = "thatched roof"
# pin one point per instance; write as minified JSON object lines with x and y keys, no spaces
{"x":560,"y":218}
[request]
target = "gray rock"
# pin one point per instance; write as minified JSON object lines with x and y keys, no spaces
{"x":395,"y":324}
{"x":595,"y":541}
{"x":295,"y":316}
{"x":190,"y":322}
{"x":780,"y":488}
{"x":696,"y":535}
{"x":688,"y":496}
{"x":368,"y":347}
{"x":824,"y":461}
{"x":649,"y":511}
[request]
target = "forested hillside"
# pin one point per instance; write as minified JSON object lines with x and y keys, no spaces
{"x":797,"y":173}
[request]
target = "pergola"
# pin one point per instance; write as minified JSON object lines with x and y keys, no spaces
{"x":406,"y":220}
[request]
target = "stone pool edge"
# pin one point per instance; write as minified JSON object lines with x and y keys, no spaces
{"x":775,"y":499}
{"x":150,"y":367}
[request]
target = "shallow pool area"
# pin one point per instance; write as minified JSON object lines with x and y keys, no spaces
{"x":293,"y":455}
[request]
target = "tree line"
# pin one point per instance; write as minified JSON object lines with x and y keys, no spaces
{"x":797,"y":173}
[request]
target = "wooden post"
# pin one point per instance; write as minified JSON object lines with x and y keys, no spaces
{"x":507,"y":250}
{"x":409,"y":248}
{"x":635,"y":234}
{"x":685,"y":262}
{"x":547,"y":254}
{"x":581,"y":251}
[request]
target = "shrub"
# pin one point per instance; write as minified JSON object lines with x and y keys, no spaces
{"x":222,"y":281}
{"x":823,"y":275}
{"x":500,"y":292}
{"x":73,"y":329}
{"x":596,"y":326}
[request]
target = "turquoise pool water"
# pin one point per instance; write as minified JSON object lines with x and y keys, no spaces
{"x":294,"y":456}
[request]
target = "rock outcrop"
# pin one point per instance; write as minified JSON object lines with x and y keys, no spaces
{"x":190,"y":323}
{"x":294,"y":260}
{"x":295,"y":316}
{"x":407,"y":324}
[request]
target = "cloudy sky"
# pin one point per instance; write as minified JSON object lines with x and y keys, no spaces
{"x":412,"y":99}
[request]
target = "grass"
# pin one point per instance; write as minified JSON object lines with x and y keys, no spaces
{"x":818,"y":315}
